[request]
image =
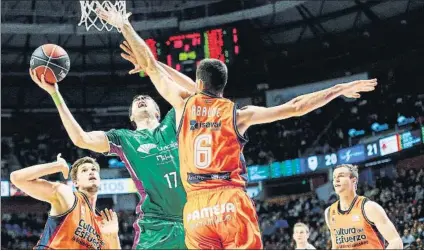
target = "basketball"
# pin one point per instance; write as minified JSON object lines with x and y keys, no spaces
{"x":52,"y":61}
{"x":301,"y":125}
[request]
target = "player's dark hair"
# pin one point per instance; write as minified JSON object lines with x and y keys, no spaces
{"x":130,"y":109}
{"x":214,"y":75}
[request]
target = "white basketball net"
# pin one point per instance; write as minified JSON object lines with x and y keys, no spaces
{"x":89,"y":16}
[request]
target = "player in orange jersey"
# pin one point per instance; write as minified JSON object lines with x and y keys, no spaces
{"x":301,"y":235}
{"x":218,"y":213}
{"x":354,"y":221}
{"x":72,"y":222}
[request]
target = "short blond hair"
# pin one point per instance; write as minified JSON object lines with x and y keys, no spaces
{"x":352,"y":168}
{"x":300,"y":224}
{"x":80,"y":162}
{"x":353,"y":172}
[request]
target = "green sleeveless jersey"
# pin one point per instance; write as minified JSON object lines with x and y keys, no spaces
{"x":152,"y":159}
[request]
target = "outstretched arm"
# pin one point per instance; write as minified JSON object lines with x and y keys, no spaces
{"x":299,"y":106}
{"x":95,"y":141}
{"x":165,"y":85}
{"x":59,"y":195}
{"x":181,"y":79}
{"x":376,"y":214}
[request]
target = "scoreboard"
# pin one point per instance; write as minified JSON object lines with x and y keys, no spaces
{"x":184,"y":51}
{"x":352,"y":155}
{"x":257,"y":173}
{"x":389,"y":145}
{"x":286,"y":168}
{"x":410,"y":139}
{"x":372,"y":150}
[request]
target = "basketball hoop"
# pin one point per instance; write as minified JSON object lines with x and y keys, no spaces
{"x":89,"y":16}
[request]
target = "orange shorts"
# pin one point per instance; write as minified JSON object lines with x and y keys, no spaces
{"x":223,"y":218}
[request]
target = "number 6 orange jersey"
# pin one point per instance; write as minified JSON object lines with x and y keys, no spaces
{"x":210,"y":146}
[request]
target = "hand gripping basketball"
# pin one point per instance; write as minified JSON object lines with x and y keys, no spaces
{"x":112,"y":16}
{"x":50,"y":88}
{"x":52,"y":61}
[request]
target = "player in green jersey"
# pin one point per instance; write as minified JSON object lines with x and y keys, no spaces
{"x":150,"y":154}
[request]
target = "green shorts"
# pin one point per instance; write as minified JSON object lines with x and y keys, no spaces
{"x":153,"y":233}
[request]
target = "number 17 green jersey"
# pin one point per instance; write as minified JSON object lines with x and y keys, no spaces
{"x":151,"y":157}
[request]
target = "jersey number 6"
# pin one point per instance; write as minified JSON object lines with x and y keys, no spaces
{"x":203,"y":154}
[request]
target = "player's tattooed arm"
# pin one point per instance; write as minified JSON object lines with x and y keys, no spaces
{"x":181,"y":79}
{"x":376,"y":215}
{"x":59,"y":195}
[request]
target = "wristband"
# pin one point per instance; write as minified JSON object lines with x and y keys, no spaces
{"x":57,"y":99}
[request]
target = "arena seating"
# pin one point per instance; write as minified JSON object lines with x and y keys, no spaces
{"x":402,"y":198}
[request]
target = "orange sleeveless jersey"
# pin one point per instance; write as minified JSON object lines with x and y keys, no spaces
{"x":210,"y":146}
{"x":351,"y":229}
{"x":75,"y":229}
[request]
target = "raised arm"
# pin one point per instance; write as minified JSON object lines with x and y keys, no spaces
{"x":376,"y":215}
{"x":165,"y":85}
{"x":181,"y":79}
{"x":95,"y":141}
{"x":299,"y":106}
{"x":59,"y":195}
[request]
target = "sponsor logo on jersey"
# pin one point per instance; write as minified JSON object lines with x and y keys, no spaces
{"x":333,"y":220}
{"x":163,"y":128}
{"x":86,"y":235}
{"x":164,"y":158}
{"x":194,"y":178}
{"x":204,"y":111}
{"x":350,"y":237}
{"x":207,"y":101}
{"x":145,"y":148}
{"x":211,"y":212}
{"x":171,"y":146}
{"x":197,"y":125}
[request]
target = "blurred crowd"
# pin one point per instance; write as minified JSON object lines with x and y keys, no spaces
{"x":321,"y":131}
{"x":287,"y":139}
{"x":402,"y":198}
